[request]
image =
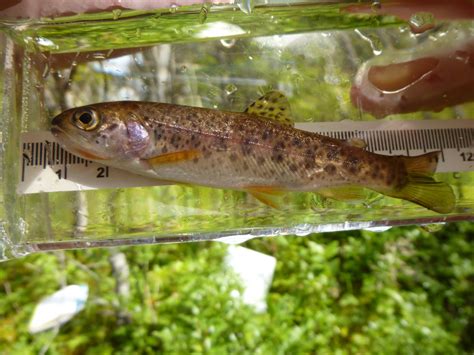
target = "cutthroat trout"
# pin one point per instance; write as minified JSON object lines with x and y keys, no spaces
{"x":258,"y":151}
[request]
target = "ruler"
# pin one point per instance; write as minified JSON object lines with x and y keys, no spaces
{"x":47,"y":167}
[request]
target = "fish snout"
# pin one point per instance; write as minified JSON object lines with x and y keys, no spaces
{"x":57,"y":125}
{"x":56,"y":121}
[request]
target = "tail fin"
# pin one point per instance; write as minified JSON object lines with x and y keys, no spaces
{"x":421,"y":188}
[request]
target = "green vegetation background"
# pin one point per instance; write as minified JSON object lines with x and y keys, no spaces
{"x":404,"y":291}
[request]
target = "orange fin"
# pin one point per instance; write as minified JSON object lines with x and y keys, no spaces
{"x":265,"y":194}
{"x":173,"y":157}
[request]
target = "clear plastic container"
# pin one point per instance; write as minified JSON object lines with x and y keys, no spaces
{"x":222,"y":57}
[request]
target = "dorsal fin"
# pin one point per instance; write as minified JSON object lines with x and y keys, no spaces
{"x":273,"y":106}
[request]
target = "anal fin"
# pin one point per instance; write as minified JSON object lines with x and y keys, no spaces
{"x":343,"y":193}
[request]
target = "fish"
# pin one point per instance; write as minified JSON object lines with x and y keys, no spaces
{"x":258,"y":151}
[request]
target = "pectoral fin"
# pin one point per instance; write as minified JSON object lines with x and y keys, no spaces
{"x":174,"y":157}
{"x":272,"y":106}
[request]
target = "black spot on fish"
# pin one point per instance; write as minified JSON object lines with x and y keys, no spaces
{"x":164,"y":149}
{"x":246,"y":146}
{"x":113,"y":126}
{"x":293,"y":167}
{"x":332,"y":153}
{"x":266,"y":134}
{"x":233,"y":157}
{"x":245,"y":166}
{"x":278,"y":157}
{"x":271,"y":109}
{"x":296,"y":142}
{"x":195,"y":160}
{"x":261,"y":160}
{"x":330,"y":169}
{"x":352,"y":165}
{"x":222,"y":144}
{"x":279,"y":145}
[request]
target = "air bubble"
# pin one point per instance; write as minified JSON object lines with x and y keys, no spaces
{"x":116,"y":14}
{"x":99,"y":55}
{"x":376,"y":5}
{"x":246,"y":6}
{"x":421,"y":22}
{"x":173,"y":8}
{"x":203,"y":13}
{"x":228,"y":43}
{"x":47,"y":69}
{"x":230,"y":89}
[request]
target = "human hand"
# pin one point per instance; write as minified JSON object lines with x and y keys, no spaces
{"x":431,"y":80}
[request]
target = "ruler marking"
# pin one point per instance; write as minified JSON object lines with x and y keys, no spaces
{"x":467,"y":141}
{"x":397,"y":141}
{"x":387,"y":142}
{"x":405,"y":142}
{"x":391,"y":138}
{"x":439,"y":145}
{"x":379,"y":141}
{"x":410,"y":139}
{"x":464,"y":138}
{"x":32,"y":151}
{"x":382,"y":141}
{"x":430,"y":138}
{"x":428,"y":141}
{"x":42,"y":152}
{"x":453,"y":139}
{"x":40,"y":162}
{"x":456,"y":138}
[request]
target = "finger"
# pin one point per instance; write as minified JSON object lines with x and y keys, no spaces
{"x":431,"y":83}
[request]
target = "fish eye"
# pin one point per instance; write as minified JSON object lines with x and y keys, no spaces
{"x":86,"y":119}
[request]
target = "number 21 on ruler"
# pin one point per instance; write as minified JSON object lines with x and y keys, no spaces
{"x":102,"y":172}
